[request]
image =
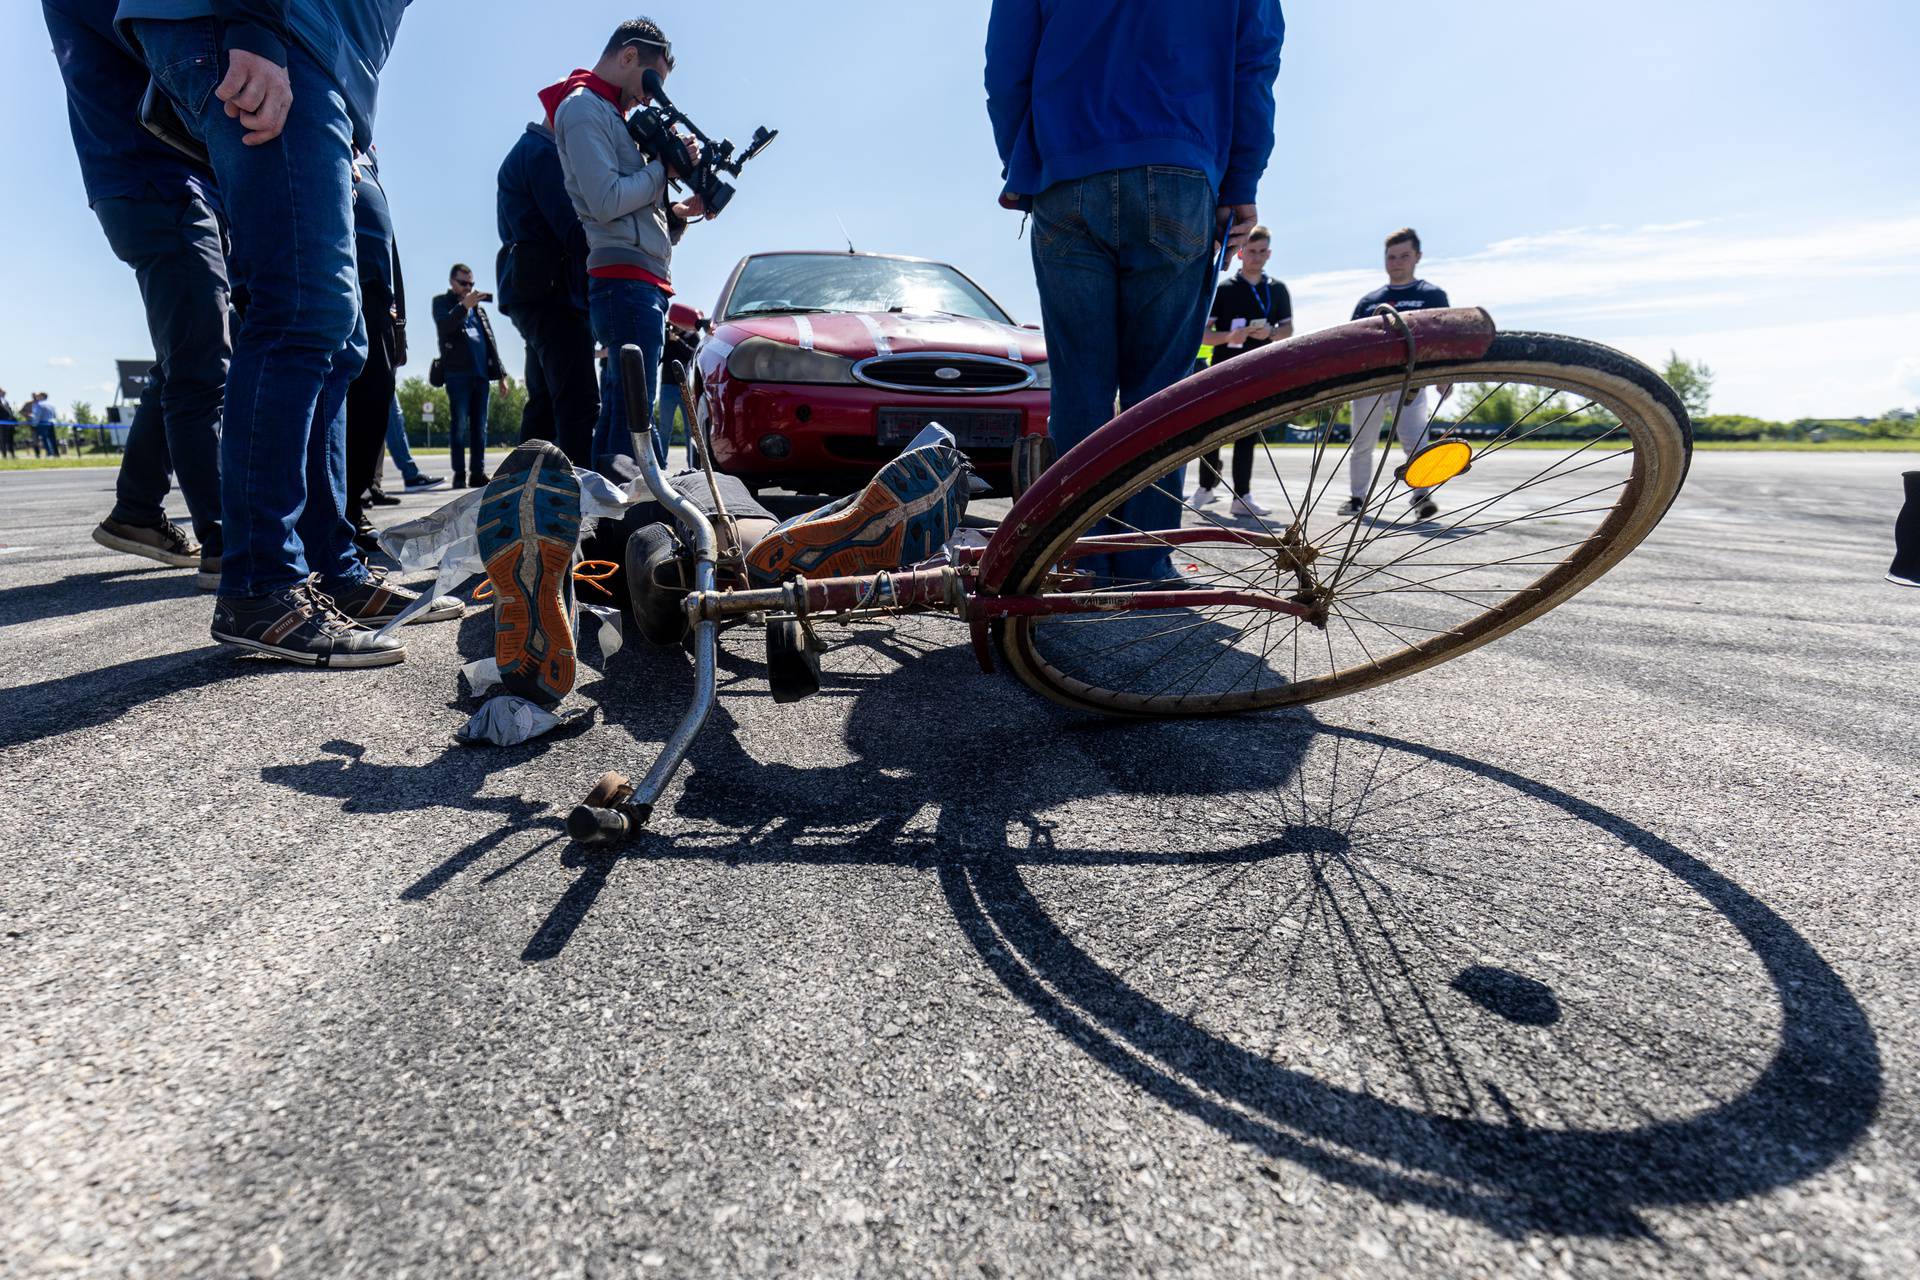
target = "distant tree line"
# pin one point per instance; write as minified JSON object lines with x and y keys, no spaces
{"x":503,"y":413}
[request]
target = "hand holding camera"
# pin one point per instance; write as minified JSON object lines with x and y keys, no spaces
{"x":691,"y":158}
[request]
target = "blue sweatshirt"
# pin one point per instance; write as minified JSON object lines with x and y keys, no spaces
{"x":119,"y":159}
{"x":533,"y":207}
{"x":1077,"y":87}
{"x":350,"y":39}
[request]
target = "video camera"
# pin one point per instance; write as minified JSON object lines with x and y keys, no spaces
{"x":651,"y":128}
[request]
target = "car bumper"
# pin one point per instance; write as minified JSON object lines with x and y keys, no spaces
{"x":812,"y":436}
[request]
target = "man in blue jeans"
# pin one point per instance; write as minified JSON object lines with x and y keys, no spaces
{"x":159,"y":214}
{"x":45,"y":424}
{"x":280,"y":92}
{"x":1136,"y":135}
{"x":470,"y":361}
{"x":621,"y":196}
{"x":411,"y":475}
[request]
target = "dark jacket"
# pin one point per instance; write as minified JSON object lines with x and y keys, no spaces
{"x":543,"y":247}
{"x":456,"y":359}
{"x":118,"y":158}
{"x":1078,"y":87}
{"x":383,"y":291}
{"x":350,"y":39}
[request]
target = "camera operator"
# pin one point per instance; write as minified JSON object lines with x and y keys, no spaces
{"x":621,"y":196}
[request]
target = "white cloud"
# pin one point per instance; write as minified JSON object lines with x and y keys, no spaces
{"x":1796,"y":322}
{"x":61,"y":362}
{"x":1909,"y":377}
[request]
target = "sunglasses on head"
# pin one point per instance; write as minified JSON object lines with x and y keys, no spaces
{"x":664,"y":46}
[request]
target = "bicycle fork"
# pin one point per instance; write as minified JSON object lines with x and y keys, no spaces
{"x":615,"y":809}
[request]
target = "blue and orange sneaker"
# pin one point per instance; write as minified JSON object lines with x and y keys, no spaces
{"x":905,"y":514}
{"x":529,"y":529}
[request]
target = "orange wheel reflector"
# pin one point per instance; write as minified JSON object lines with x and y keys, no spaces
{"x":1436,"y":464}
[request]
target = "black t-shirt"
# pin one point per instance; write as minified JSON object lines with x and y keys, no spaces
{"x":1239,"y":300}
{"x":1418,"y":296}
{"x":679,"y":346}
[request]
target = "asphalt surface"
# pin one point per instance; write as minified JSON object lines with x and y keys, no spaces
{"x":1593,"y":952}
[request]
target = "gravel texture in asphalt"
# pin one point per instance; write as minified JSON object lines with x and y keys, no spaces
{"x":1593,"y":952}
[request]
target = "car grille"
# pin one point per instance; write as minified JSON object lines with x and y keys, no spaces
{"x":944,"y":374}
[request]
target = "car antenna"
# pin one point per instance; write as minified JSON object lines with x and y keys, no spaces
{"x":843,"y":231}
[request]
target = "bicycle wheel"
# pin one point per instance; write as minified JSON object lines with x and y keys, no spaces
{"x":1529,"y":520}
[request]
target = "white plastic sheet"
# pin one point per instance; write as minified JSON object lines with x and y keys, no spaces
{"x":507,"y":721}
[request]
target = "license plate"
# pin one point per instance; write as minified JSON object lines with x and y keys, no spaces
{"x":972,"y":428}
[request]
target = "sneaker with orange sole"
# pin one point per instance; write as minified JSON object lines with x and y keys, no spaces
{"x":529,"y":530}
{"x":904,"y":515}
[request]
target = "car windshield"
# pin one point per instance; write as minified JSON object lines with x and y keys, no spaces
{"x":794,"y":282}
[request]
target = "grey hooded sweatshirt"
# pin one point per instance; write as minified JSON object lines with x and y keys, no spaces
{"x":620,"y":195}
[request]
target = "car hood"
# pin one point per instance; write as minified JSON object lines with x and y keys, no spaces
{"x":856,"y":335}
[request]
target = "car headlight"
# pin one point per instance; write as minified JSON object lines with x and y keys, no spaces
{"x":1042,"y":376}
{"x":764,"y":360}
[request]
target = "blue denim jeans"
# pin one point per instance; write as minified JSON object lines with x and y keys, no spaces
{"x":47,"y":437}
{"x":624,"y":311}
{"x":1124,"y":264}
{"x":467,"y":399}
{"x":397,"y":444}
{"x":179,"y":257}
{"x":667,"y":412}
{"x":289,"y":206}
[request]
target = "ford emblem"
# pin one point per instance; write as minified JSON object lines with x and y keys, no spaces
{"x":947,"y":374}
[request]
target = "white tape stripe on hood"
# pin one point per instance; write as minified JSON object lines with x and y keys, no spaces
{"x":803,"y":330}
{"x":881,"y":347}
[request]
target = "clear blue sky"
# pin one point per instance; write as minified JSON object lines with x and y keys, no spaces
{"x":1731,"y":178}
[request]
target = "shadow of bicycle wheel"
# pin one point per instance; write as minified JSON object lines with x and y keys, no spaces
{"x":1639,"y":1065}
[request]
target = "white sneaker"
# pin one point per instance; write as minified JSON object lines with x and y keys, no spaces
{"x":1204,"y":497}
{"x":1246,"y":506}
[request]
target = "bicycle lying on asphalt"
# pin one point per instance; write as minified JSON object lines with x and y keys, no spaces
{"x":1307,"y":602}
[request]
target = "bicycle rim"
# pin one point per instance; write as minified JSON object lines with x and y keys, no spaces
{"x":1521,"y":529}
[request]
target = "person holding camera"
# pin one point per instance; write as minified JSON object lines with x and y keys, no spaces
{"x":469,"y":363}
{"x":621,"y":195}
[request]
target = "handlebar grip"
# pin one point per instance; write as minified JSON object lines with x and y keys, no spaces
{"x":633,"y":379}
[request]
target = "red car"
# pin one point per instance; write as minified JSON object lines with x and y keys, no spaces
{"x":820,"y":366}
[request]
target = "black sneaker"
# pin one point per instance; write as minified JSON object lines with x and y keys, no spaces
{"x":1353,"y":506}
{"x":1424,"y":508}
{"x":382,"y":499}
{"x":301,"y":625}
{"x":656,"y":584}
{"x":374,"y":602}
{"x":168,"y":543}
{"x":424,"y":481}
{"x":459,"y":481}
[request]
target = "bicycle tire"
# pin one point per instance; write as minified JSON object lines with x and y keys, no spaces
{"x":1647,"y":409}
